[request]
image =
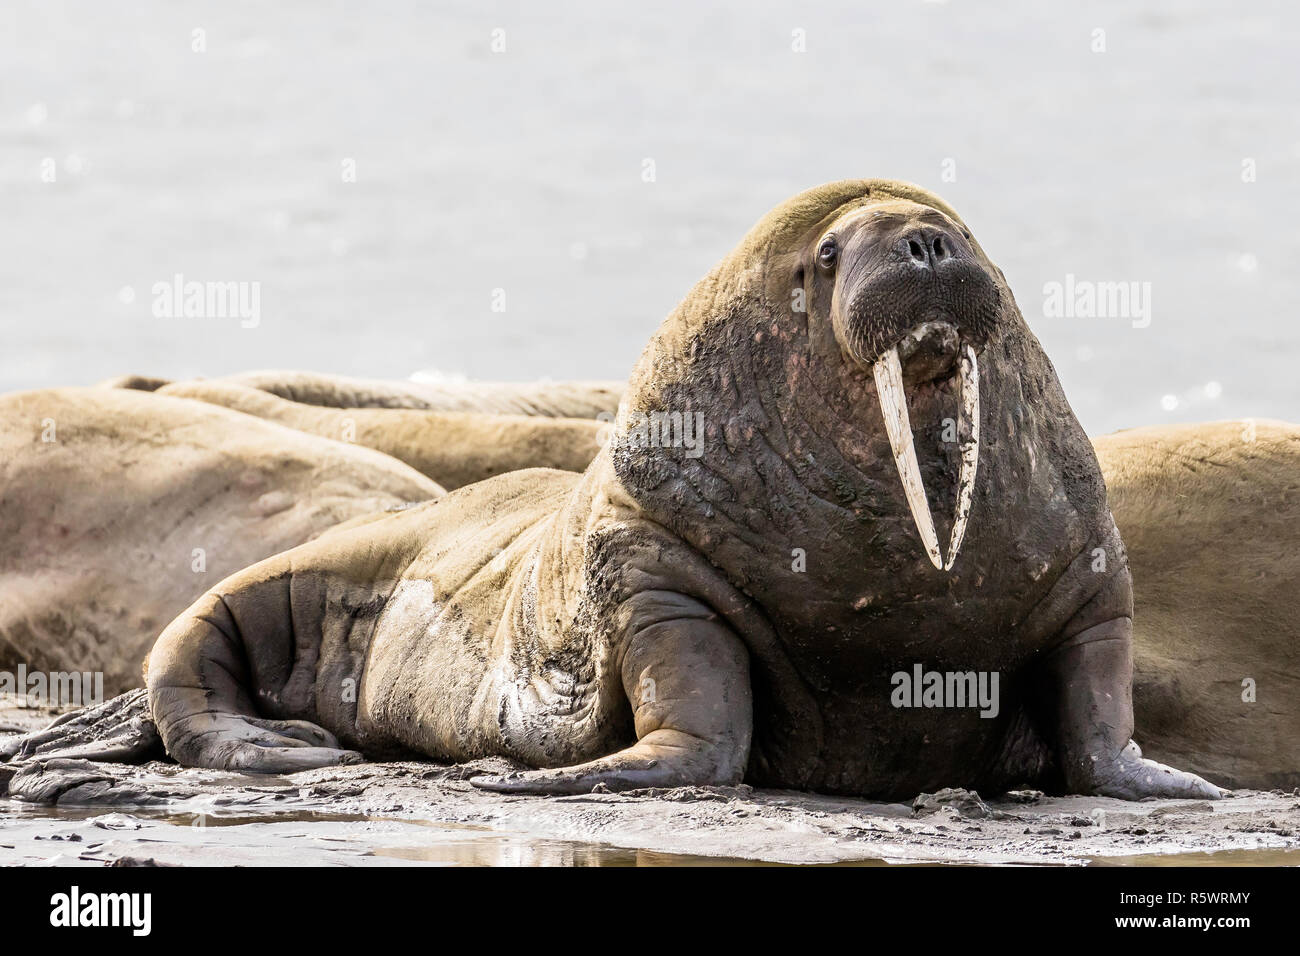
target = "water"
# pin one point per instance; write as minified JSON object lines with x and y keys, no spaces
{"x":313,"y":837}
{"x":1271,"y":857}
{"x":522,"y":171}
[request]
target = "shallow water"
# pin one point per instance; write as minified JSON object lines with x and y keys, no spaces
{"x":523,"y":171}
{"x":340,"y":835}
{"x":506,"y":851}
{"x":444,"y":844}
{"x":1221,"y":858}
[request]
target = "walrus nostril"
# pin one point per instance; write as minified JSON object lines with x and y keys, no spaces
{"x":928,"y":247}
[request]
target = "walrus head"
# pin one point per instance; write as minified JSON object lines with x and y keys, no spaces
{"x":870,"y":396}
{"x":911,"y":299}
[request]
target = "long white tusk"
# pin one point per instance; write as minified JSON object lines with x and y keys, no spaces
{"x":893,"y":405}
{"x":970,"y":450}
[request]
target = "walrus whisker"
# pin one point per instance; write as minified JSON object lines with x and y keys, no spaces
{"x":970,"y":450}
{"x":893,"y":405}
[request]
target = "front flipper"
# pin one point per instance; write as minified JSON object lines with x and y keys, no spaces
{"x":1094,"y":720}
{"x":688,"y":682}
{"x":239,"y":741}
{"x":203,"y":680}
{"x":1132,"y":777}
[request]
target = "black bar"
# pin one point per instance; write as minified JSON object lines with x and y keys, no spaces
{"x":955,"y":903}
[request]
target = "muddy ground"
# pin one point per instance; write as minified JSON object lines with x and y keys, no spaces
{"x":83,"y":814}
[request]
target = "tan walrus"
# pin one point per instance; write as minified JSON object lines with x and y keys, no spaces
{"x":453,"y":448}
{"x":842,"y":461}
{"x":1210,"y":515}
{"x":119,"y":507}
{"x":557,"y":399}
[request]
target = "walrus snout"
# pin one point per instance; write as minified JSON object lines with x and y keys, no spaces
{"x":897,"y":270}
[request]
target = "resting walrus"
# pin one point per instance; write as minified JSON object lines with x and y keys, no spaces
{"x":119,"y":508}
{"x":580,"y":399}
{"x":1211,"y":517}
{"x":556,"y":399}
{"x":452,"y":448}
{"x":841,"y":461}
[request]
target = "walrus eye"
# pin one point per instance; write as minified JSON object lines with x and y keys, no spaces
{"x":828,"y":252}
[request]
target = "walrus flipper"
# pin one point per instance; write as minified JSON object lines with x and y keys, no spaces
{"x":120,"y":730}
{"x":204,"y":672}
{"x":688,"y":681}
{"x":1095,"y":722}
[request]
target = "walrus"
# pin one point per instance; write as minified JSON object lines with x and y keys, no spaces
{"x":118,"y":508}
{"x":452,"y":448}
{"x":885,"y":479}
{"x":1210,"y":514}
{"x":560,"y":399}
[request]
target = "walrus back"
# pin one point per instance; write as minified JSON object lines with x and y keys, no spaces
{"x":578,"y":399}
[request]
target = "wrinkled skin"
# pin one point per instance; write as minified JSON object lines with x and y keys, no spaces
{"x":667,"y":618}
{"x":452,"y":448}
